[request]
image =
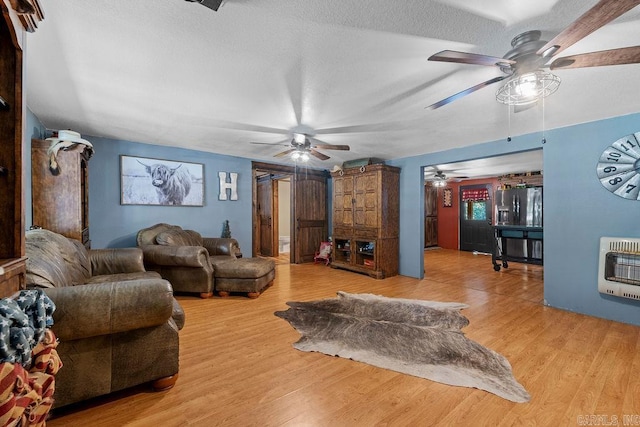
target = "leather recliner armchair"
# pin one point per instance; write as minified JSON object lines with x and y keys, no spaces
{"x":184,"y":257}
{"x":117,"y":324}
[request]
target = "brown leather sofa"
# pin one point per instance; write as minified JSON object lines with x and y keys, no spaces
{"x":184,"y":257}
{"x":117,"y":323}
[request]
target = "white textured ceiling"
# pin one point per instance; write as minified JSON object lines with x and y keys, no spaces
{"x":176,"y":73}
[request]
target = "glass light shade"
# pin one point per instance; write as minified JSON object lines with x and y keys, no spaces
{"x":299,"y":138}
{"x":528,"y":88}
{"x":300,"y":156}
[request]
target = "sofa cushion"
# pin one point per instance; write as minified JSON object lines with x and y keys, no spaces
{"x":147,"y":236}
{"x":179,"y":237}
{"x":123,"y":277}
{"x":55,"y":261}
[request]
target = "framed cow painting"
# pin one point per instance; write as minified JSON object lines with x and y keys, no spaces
{"x":146,"y":181}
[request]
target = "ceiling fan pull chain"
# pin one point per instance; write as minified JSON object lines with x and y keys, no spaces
{"x":509,"y":123}
{"x":544,"y":140}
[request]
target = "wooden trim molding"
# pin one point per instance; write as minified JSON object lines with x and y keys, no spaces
{"x":18,"y":22}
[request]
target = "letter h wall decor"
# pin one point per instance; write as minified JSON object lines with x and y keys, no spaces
{"x":231,"y":184}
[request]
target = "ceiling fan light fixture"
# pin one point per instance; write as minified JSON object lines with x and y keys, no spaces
{"x":528,"y":88}
{"x":300,"y":155}
{"x":299,"y":138}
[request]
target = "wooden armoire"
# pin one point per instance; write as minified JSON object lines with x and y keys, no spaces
{"x":61,"y":202}
{"x":14,"y":26}
{"x":366,"y":203}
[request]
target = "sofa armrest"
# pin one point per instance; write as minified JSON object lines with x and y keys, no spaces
{"x":222,"y":246}
{"x":105,"y":308}
{"x":114,"y":261}
{"x":180,"y":256}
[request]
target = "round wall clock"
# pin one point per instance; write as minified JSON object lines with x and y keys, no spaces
{"x":619,"y":167}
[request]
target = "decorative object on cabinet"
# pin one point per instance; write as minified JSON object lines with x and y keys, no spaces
{"x":65,"y":140}
{"x":60,"y":202}
{"x":13,"y":33}
{"x":145,"y":181}
{"x":366,"y":220}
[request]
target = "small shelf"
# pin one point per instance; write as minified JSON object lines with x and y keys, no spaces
{"x":342,"y":251}
{"x":365,"y":253}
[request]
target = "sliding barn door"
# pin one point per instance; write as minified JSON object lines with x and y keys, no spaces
{"x":310,"y":215}
{"x":265,"y":215}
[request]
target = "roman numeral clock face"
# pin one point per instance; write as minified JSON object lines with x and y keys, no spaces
{"x":619,"y":167}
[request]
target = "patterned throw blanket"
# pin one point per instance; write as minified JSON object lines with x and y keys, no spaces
{"x":28,"y":359}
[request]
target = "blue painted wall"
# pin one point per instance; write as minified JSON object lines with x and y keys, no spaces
{"x":33,"y":130}
{"x":114,"y":225}
{"x":578,"y":210}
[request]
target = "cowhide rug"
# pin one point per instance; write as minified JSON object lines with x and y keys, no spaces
{"x":420,"y":338}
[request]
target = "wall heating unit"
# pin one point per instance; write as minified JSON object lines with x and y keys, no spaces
{"x":619,"y":267}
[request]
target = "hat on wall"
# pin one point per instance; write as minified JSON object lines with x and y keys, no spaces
{"x":68,"y":136}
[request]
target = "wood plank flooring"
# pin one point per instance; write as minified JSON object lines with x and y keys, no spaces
{"x":238,"y":367}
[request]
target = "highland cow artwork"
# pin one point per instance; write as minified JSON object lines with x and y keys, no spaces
{"x":146,"y":181}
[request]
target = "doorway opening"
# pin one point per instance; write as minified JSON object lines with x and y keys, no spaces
{"x":289,"y":212}
{"x":448,"y":217}
{"x":476,"y":230}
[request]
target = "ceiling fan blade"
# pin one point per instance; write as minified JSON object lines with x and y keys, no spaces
{"x":470,"y":58}
{"x":465,"y":92}
{"x":284,"y":153}
{"x":225,"y":124}
{"x":602,"y":13}
{"x":324,"y":146}
{"x":283,"y":142}
{"x":318,"y":154}
{"x":624,"y":55}
{"x":331,"y":147}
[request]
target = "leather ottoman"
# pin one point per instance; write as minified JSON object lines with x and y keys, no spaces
{"x":244,"y":275}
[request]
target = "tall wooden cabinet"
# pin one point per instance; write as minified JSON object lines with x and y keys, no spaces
{"x":13,"y":30}
{"x":366,"y":220}
{"x":61,"y":202}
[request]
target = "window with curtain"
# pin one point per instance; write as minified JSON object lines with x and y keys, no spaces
{"x":475,"y":204}
{"x":475,"y":195}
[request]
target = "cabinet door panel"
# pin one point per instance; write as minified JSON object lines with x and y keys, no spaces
{"x":342,"y":201}
{"x":366,"y":200}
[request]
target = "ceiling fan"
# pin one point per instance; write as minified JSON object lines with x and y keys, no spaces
{"x":438,"y":179}
{"x":301,"y":146}
{"x":438,"y":176}
{"x":523,"y":64}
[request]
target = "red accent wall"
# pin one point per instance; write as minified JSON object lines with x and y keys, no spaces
{"x":448,"y":218}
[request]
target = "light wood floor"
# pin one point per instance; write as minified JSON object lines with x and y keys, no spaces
{"x":238,"y":367}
